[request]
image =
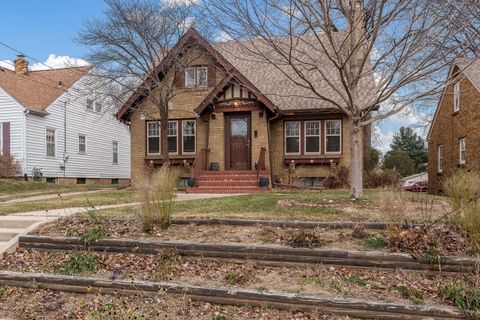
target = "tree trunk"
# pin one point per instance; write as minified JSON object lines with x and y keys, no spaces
{"x":164,"y":133}
{"x":356,"y":168}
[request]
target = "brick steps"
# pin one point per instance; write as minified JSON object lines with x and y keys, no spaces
{"x":233,"y":181}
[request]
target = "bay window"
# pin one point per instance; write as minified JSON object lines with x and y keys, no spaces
{"x":292,"y":137}
{"x":312,"y":137}
{"x":172,"y":136}
{"x":153,"y":138}
{"x":183,"y":131}
{"x":188,"y":134}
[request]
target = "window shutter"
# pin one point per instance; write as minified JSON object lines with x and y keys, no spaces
{"x":212,"y":75}
{"x":6,"y":137}
{"x":180,"y":78}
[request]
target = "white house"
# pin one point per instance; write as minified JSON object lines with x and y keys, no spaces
{"x":49,"y":120}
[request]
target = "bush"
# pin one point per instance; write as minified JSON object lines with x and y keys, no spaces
{"x":339,"y":179}
{"x":9,"y":167}
{"x":399,"y":160}
{"x":375,"y":241}
{"x":381,"y":178}
{"x":79,"y":263}
{"x":92,"y":235}
{"x":157,"y":193}
{"x":463,"y":190}
{"x":304,"y":239}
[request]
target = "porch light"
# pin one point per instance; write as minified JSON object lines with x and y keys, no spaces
{"x":236,"y":104}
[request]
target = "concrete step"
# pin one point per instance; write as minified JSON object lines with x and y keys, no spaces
{"x":231,"y":183}
{"x":16,"y":222}
{"x":234,"y":173}
{"x":226,"y":190}
{"x":8,"y":233}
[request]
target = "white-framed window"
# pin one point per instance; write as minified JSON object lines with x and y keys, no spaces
{"x":82,"y":144}
{"x":50,"y":143}
{"x":93,"y":104}
{"x":333,"y":136}
{"x":462,"y":146}
{"x":456,"y":96}
{"x":292,"y":137}
{"x":153,"y":138}
{"x":312,"y":137}
{"x":115,"y":152}
{"x":172,"y":136}
{"x":196,"y":76}
{"x":202,"y":76}
{"x":189,"y":132}
{"x":440,"y":158}
{"x":190,"y":78}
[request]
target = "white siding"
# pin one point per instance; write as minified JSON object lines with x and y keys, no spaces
{"x":100,"y":129}
{"x":11,"y":111}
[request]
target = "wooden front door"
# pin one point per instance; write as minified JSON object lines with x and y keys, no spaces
{"x":237,"y":142}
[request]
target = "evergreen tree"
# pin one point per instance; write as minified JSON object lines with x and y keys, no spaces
{"x":414,"y":145}
{"x":400,"y":161}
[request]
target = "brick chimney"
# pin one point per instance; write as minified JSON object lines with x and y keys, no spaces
{"x":21,"y":65}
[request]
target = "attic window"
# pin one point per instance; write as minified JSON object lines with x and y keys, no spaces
{"x":196,"y":77}
{"x":94,"y":104}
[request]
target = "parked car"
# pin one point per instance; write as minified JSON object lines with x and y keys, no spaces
{"x":419,"y":186}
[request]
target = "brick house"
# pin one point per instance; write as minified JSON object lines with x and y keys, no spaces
{"x":234,"y":120}
{"x":453,"y":139}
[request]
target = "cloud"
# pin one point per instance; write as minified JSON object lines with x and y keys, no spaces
{"x":56,"y":62}
{"x":7,"y":64}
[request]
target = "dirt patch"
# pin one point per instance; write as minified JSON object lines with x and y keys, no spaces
{"x":39,"y":304}
{"x":315,"y":280}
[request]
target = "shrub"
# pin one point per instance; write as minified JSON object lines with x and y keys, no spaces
{"x":304,"y":239}
{"x":463,"y":190}
{"x":399,"y":160}
{"x":381,"y":178}
{"x":9,"y":167}
{"x":375,"y":241}
{"x":157,"y":193}
{"x":79,"y":263}
{"x":463,"y":295}
{"x":93,"y":234}
{"x":339,"y":179}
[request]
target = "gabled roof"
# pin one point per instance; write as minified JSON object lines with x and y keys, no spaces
{"x":36,"y":90}
{"x":470,"y":68}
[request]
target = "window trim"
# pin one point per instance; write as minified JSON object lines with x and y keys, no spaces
{"x":194,"y":135}
{"x":460,"y":161}
{"x":456,"y":96}
{"x":115,"y":142}
{"x":85,"y":136}
{"x":299,"y":137}
{"x":148,"y":137}
{"x":94,"y":103}
{"x":168,"y":136}
{"x":440,"y":158}
{"x":326,"y":136}
{"x":319,"y":137}
{"x":55,"y":143}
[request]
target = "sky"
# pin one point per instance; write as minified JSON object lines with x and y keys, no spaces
{"x":45,"y":30}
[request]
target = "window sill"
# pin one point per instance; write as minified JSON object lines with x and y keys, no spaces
{"x":320,"y":159}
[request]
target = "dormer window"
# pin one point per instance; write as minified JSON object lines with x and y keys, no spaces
{"x":94,"y":104}
{"x":196,"y":77}
{"x":456,"y":97}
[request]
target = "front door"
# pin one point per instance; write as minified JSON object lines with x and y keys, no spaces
{"x":237,"y":144}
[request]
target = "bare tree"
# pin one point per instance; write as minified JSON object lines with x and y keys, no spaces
{"x":374,"y":57}
{"x":131,"y":44}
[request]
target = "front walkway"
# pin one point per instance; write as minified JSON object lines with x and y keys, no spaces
{"x":16,"y":224}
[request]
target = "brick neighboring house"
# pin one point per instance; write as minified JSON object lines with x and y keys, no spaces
{"x":454,"y":136}
{"x":242,"y":117}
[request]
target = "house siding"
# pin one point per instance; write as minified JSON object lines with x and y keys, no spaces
{"x":101,"y":129}
{"x":12,"y":112}
{"x":449,"y":128}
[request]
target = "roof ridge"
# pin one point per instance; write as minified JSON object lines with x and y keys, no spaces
{"x":64,"y":68}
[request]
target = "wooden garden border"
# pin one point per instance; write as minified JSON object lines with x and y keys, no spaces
{"x":330,"y":305}
{"x":290,"y":224}
{"x":263,"y":253}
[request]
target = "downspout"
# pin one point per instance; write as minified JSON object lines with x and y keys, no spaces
{"x":64,"y":140}
{"x":270,"y":158}
{"x":26,"y":112}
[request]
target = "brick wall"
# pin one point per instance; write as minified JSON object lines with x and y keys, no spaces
{"x":448,"y":128}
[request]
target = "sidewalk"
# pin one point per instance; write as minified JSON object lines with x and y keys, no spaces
{"x":16,"y":224}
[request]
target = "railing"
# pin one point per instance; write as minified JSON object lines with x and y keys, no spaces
{"x":200,"y":163}
{"x":261,"y":161}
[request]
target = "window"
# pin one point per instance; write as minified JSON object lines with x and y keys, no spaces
{"x":115,"y":181}
{"x":51,"y":180}
{"x":153,"y":137}
{"x":82,"y":144}
{"x":456,"y":97}
{"x":333,"y":136}
{"x":202,"y":76}
{"x":115,"y":152}
{"x":93,"y":104}
{"x":172,"y":135}
{"x":188,"y":136}
{"x":81,"y":180}
{"x":50,"y":143}
{"x":196,"y":76}
{"x":440,"y":159}
{"x":463,"y":151}
{"x":312,"y":136}
{"x":292,"y":137}
{"x":190,"y":77}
